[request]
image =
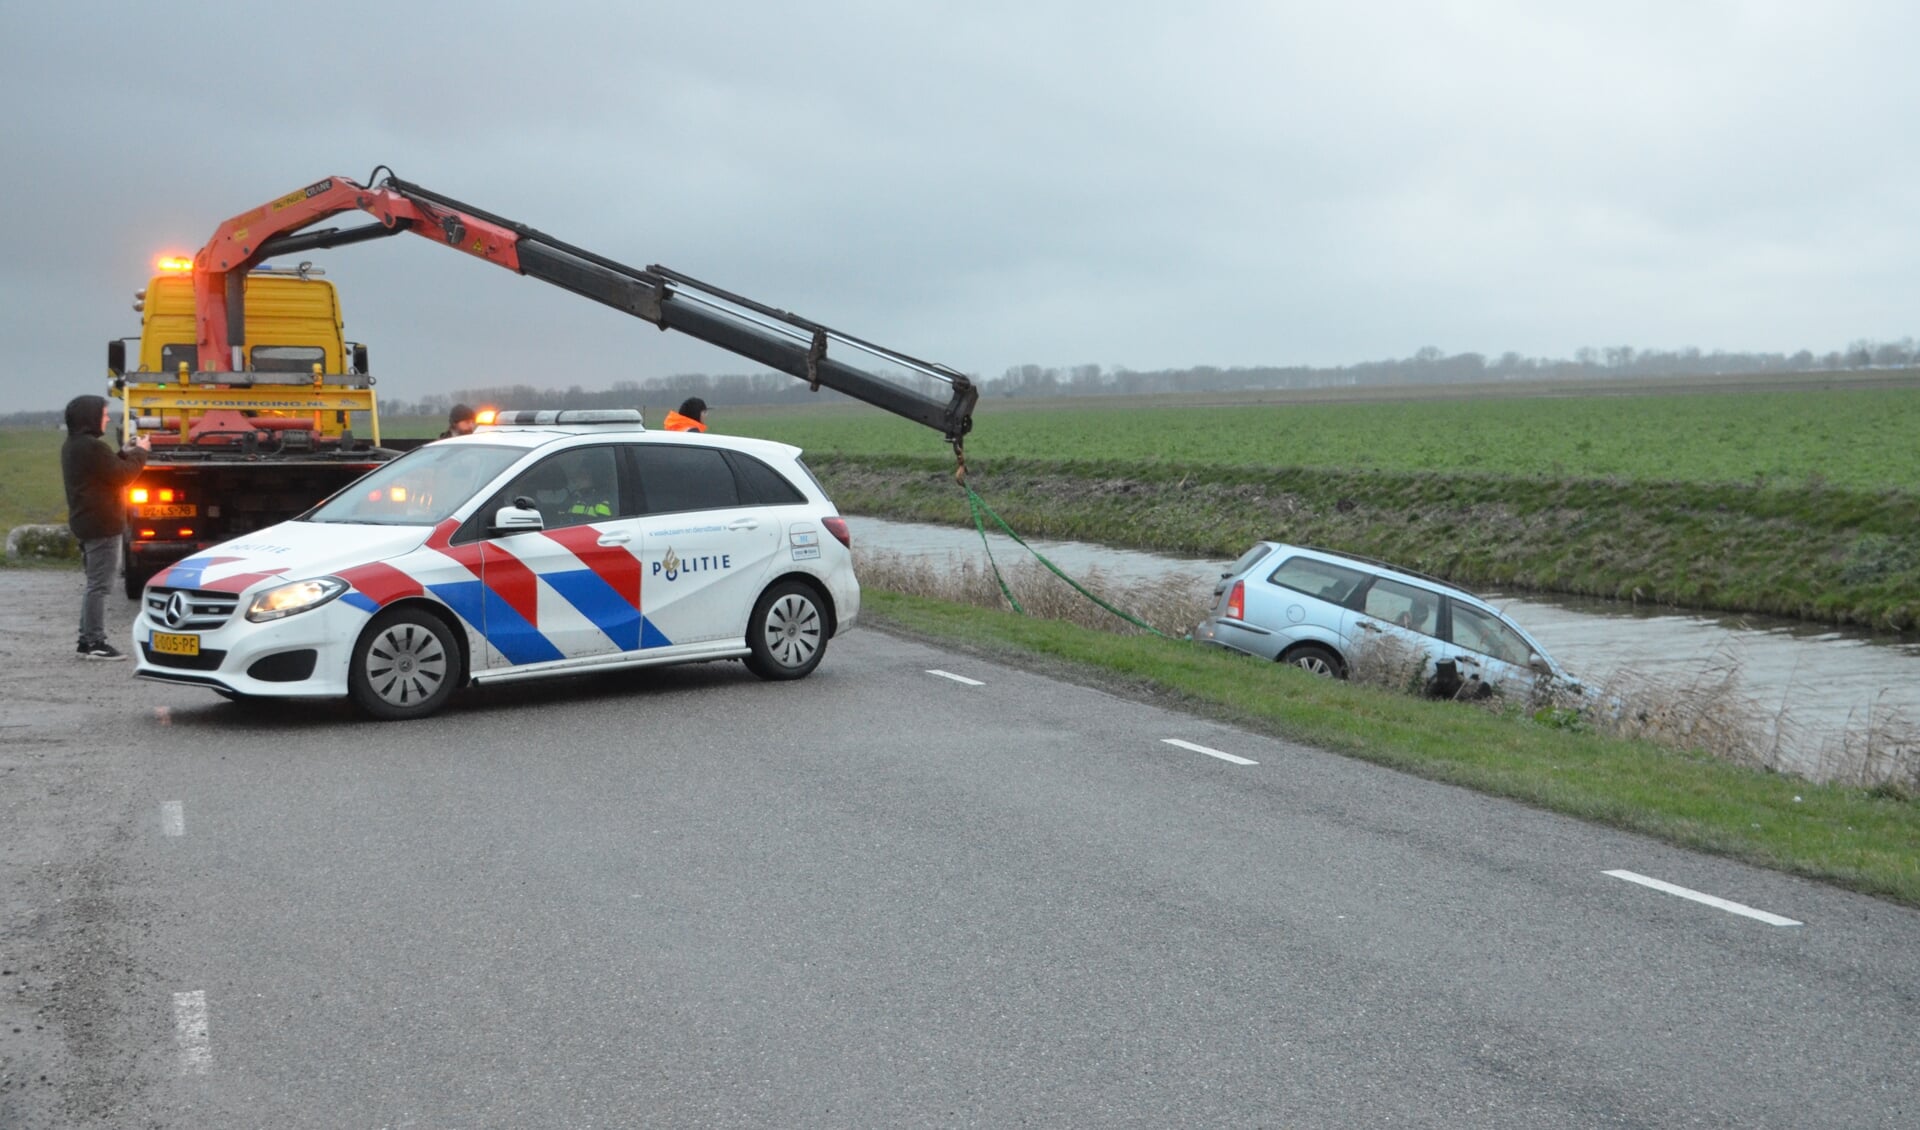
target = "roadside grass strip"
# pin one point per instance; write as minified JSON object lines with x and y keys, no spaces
{"x":1850,"y":837}
{"x":1209,"y":752}
{"x":1709,"y":900}
{"x":195,"y":1049}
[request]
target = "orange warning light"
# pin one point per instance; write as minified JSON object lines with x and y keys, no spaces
{"x":137,"y":495}
{"x":485,"y":416}
{"x":173,"y":263}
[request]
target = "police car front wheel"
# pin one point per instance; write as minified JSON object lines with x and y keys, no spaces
{"x":788,"y":632}
{"x":405,"y":665}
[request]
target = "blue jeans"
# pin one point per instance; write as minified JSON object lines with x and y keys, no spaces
{"x":100,"y":556}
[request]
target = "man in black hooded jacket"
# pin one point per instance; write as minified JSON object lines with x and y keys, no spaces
{"x":97,"y":515}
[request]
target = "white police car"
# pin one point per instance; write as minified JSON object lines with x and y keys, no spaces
{"x":550,"y":543}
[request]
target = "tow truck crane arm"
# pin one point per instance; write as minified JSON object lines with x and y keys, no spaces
{"x":664,"y":297}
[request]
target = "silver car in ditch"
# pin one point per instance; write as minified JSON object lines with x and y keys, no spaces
{"x":1323,"y":611}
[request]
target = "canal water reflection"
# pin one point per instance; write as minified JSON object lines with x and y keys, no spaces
{"x":1814,"y":685}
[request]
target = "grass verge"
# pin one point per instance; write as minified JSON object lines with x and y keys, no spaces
{"x":1849,"y":837}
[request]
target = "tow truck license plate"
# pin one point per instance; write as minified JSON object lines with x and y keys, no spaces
{"x":187,"y":510}
{"x":170,"y":643}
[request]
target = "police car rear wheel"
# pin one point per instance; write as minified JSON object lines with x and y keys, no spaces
{"x":405,"y":666}
{"x":788,"y":632}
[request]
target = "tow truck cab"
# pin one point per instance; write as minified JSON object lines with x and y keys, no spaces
{"x":238,"y":451}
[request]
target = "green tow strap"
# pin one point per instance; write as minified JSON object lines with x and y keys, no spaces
{"x":980,"y":508}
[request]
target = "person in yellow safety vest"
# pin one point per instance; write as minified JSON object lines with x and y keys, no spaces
{"x":589,"y":497}
{"x":692,"y":416}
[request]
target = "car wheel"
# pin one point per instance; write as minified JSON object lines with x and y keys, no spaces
{"x":1318,"y":660}
{"x":405,"y":665}
{"x":788,"y":632}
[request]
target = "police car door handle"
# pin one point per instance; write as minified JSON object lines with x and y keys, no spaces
{"x":615,"y":538}
{"x":744,"y":524}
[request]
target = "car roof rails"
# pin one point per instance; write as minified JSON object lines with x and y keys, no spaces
{"x":1401,"y":569}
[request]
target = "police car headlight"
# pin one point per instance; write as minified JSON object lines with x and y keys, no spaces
{"x":285,"y":600}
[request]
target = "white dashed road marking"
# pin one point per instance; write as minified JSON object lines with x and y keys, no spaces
{"x":173,"y":818}
{"x":1209,"y":752}
{"x":190,"y":1032}
{"x":1696,"y":896}
{"x":958,"y":678}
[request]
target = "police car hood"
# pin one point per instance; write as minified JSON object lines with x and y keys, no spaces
{"x":290,"y":551}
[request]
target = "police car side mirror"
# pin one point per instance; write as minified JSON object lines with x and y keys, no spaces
{"x":518,"y":517}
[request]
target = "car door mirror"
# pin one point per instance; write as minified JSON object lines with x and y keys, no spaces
{"x":1536,"y":663}
{"x":520,"y":516}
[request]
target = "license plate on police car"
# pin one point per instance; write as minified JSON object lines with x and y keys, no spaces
{"x":174,"y":643}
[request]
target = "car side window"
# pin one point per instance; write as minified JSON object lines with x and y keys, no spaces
{"x":761,"y":485}
{"x":1322,"y":579}
{"x":674,"y":478}
{"x":570,"y":488}
{"x":1480,"y":631}
{"x":1404,"y":605}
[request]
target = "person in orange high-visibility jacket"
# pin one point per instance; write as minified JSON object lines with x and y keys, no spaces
{"x":692,"y":416}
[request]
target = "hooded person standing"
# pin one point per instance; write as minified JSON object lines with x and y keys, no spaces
{"x":691,"y":417}
{"x":97,"y":515}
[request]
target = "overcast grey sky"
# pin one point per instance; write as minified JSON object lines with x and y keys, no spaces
{"x":990,"y":184}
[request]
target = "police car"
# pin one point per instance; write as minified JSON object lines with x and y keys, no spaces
{"x":550,"y":543}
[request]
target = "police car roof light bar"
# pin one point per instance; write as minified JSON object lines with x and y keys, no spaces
{"x":625,"y":418}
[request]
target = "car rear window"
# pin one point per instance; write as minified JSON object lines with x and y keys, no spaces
{"x":762,"y":485}
{"x":1247,"y":560}
{"x":674,"y":478}
{"x":1405,"y":605}
{"x":1322,"y":579}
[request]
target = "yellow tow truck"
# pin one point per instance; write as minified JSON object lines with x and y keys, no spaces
{"x":290,"y":420}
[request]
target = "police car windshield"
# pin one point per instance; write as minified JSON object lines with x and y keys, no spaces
{"x":421,"y":488}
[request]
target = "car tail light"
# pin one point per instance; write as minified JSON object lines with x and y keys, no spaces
{"x":166,"y":494}
{"x":838,"y":528}
{"x":1237,"y":601}
{"x":136,"y":495}
{"x":149,"y":533}
{"x":186,"y":531}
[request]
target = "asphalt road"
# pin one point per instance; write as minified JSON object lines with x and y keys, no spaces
{"x":878,"y":897}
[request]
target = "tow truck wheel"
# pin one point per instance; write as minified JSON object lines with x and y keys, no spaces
{"x":405,"y":665}
{"x":788,"y":632}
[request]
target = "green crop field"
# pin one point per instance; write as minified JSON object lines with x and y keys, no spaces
{"x":1859,"y":439}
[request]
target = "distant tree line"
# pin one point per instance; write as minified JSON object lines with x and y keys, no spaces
{"x":1427,"y":366}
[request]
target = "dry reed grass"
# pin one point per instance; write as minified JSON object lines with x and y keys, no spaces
{"x":1171,"y":605}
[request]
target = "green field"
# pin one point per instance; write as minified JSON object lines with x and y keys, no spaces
{"x":1859,"y":439}
{"x":1792,"y":501}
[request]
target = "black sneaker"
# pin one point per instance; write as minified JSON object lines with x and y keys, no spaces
{"x":101,"y":650}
